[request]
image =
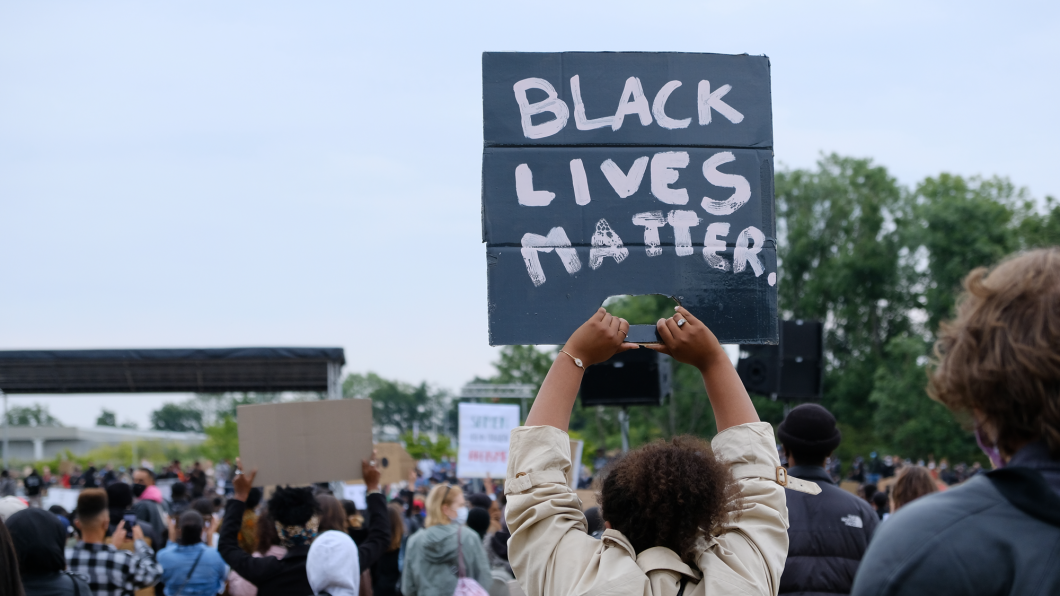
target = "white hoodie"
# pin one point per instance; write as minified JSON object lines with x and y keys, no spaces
{"x":333,"y":566}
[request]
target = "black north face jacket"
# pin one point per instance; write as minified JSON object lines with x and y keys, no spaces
{"x":828,"y":534}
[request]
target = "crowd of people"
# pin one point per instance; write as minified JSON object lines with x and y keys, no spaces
{"x":674,"y":517}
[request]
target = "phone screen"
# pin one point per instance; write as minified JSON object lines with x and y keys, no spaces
{"x":130,"y":521}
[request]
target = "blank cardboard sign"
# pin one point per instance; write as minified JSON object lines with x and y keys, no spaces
{"x":305,"y":442}
{"x":394,"y":462}
{"x":671,"y":193}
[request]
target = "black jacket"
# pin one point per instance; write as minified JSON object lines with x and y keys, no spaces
{"x":377,"y":539}
{"x":998,"y":533}
{"x":828,"y":535}
{"x":287,"y":576}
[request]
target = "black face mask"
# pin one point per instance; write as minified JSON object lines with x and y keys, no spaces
{"x":138,"y":489}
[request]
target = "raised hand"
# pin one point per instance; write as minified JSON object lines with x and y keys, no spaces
{"x":599,"y":338}
{"x":242,"y":483}
{"x":371,"y":474}
{"x":690,"y":341}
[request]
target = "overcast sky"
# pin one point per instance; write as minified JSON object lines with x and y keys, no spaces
{"x":202,"y":174}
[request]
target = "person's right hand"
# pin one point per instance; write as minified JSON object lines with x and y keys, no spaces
{"x":118,"y":537}
{"x":138,"y":532}
{"x":242,"y":483}
{"x":599,"y":338}
{"x":692,"y":343}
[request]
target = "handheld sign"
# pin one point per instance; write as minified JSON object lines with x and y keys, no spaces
{"x":305,"y":442}
{"x":485,"y":434}
{"x":627,"y":173}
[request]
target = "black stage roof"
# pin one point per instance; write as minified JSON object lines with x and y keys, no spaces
{"x":183,"y":370}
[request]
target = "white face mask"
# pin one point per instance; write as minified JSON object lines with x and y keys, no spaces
{"x":461,"y":515}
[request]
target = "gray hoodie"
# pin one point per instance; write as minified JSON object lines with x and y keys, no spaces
{"x":430,"y":561}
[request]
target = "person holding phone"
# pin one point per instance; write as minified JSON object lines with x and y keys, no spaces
{"x":110,"y":571}
{"x":681,"y":516}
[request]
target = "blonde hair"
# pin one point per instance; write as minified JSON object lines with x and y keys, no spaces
{"x":443,"y":494}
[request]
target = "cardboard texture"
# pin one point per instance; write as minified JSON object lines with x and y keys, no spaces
{"x":394,"y":462}
{"x":574,"y":214}
{"x":305,"y":442}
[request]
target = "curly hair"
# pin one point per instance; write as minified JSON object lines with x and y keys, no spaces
{"x":293,"y":506}
{"x":1000,"y":356}
{"x":664,"y":493}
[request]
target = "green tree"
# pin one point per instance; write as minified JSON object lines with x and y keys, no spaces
{"x":421,"y":446}
{"x":399,"y":407}
{"x":107,"y":418}
{"x":177,"y":417}
{"x":840,"y":233}
{"x":963,"y":224}
{"x":1042,"y":229}
{"x":35,"y":415}
{"x":914,"y":425}
{"x":222,"y":440}
{"x":523,"y":364}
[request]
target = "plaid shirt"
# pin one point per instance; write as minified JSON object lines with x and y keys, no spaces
{"x":113,"y":572}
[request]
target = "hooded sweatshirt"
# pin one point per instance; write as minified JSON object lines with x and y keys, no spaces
{"x":333,"y":566}
{"x":431,"y":561}
{"x":39,"y":539}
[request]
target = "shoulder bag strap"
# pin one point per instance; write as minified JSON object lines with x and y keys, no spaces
{"x":461,"y":570}
{"x":190,"y":571}
{"x":77,"y":587}
{"x":684,"y":582}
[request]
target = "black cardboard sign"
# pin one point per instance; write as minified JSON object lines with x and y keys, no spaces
{"x":627,"y":173}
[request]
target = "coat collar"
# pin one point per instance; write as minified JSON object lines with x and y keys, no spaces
{"x":652,"y":559}
{"x":811,"y":473}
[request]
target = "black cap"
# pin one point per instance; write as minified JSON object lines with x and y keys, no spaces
{"x":809,"y":429}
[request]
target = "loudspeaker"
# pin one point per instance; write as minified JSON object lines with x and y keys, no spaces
{"x":792,"y":370}
{"x":633,"y":378}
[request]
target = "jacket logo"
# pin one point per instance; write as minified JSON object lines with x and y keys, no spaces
{"x":852,"y":520}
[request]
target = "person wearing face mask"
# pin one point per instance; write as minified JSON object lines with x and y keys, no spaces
{"x":149,"y":508}
{"x":998,"y":362}
{"x":432,"y":554}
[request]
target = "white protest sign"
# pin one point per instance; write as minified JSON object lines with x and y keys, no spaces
{"x":358,"y":493}
{"x":485,"y":432}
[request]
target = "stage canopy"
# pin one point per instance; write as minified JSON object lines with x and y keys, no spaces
{"x":190,"y":370}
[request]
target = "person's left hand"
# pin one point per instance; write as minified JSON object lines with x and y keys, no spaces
{"x":118,"y":537}
{"x":599,"y":338}
{"x":242,"y":483}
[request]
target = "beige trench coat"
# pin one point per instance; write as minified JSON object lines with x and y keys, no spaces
{"x":552,"y":555}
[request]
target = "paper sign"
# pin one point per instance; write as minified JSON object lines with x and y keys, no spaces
{"x":63,"y":497}
{"x":305,"y":442}
{"x":574,"y":474}
{"x":358,"y":493}
{"x":394,"y":463}
{"x":669,"y":193}
{"x":485,"y":434}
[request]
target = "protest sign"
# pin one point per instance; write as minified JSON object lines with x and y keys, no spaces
{"x":305,"y":442}
{"x":358,"y":493}
{"x":394,"y":462}
{"x":63,"y":497}
{"x":485,"y":432}
{"x":671,"y":193}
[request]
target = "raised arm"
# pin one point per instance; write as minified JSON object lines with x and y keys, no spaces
{"x":598,"y":339}
{"x":693,"y":343}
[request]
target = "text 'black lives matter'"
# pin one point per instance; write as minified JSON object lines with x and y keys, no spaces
{"x":627,"y":173}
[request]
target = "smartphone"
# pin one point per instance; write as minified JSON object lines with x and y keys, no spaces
{"x":643,"y":334}
{"x":130,"y":521}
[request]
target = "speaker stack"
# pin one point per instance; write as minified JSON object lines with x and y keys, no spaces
{"x":632,"y":378}
{"x":792,"y":370}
